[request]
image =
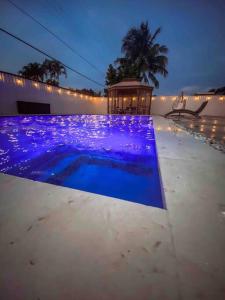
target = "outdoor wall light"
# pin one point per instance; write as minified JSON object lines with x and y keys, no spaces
{"x":19,"y":82}
{"x":35,"y":84}
{"x":2,"y":78}
{"x":49,"y":88}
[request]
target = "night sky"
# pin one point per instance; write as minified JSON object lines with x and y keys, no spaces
{"x":193,"y":30}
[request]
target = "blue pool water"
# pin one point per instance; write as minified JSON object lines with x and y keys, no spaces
{"x":112,"y":155}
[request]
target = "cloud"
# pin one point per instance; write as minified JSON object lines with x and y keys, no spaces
{"x":192,"y":89}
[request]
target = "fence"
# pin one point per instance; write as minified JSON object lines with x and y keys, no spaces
{"x":215,"y":107}
{"x":14,"y":88}
{"x":62,"y":101}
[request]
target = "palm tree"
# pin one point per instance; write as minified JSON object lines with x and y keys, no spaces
{"x":52,"y":70}
{"x":33,"y":71}
{"x":141,"y":50}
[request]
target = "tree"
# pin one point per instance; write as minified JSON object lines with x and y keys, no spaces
{"x":33,"y":71}
{"x":218,"y":91}
{"x":52,"y":82}
{"x":126,"y":69}
{"x":88,"y":92}
{"x":52,"y":70}
{"x":111,"y":75}
{"x":143,"y":57}
{"x":140,"y":48}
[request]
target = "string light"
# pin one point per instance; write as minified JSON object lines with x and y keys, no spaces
{"x":49,"y":88}
{"x":2,"y":78}
{"x":35,"y":84}
{"x":19,"y":82}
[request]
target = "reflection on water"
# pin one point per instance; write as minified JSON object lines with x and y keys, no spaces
{"x":80,"y":151}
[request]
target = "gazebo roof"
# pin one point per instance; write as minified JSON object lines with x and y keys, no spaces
{"x":130,"y":83}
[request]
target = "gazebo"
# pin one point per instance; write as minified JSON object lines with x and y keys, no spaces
{"x":130,"y":96}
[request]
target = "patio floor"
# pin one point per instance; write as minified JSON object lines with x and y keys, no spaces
{"x":59,"y":243}
{"x":209,"y":127}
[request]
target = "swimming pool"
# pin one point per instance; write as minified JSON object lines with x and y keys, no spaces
{"x":111,"y":155}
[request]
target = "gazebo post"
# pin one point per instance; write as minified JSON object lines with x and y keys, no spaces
{"x":150,"y":103}
{"x":108,"y":102}
{"x":138,"y":101}
{"x":114,"y":102}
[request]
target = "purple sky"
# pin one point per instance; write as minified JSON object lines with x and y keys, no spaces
{"x":193,"y":30}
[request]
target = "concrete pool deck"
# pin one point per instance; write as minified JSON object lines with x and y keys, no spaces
{"x":58,"y":243}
